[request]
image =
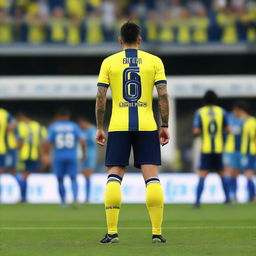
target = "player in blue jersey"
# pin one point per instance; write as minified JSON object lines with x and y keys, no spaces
{"x":62,"y":141}
{"x":89,"y":165}
{"x":232,"y":156}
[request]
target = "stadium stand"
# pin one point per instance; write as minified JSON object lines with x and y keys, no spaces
{"x":75,"y":22}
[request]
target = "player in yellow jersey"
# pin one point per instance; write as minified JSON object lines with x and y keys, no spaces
{"x":30,"y":137}
{"x":211,"y":122}
{"x":5,"y":125}
{"x":248,"y":151}
{"x":132,"y":75}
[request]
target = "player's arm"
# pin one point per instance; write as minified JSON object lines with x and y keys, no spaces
{"x":82,"y":143}
{"x":101,"y":99}
{"x":46,"y":150}
{"x":226,"y":123}
{"x":163,"y":102}
{"x":163,"y":105}
{"x":196,"y":124}
{"x":47,"y":147}
{"x":83,"y":147}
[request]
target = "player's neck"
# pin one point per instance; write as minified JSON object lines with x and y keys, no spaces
{"x":132,"y":46}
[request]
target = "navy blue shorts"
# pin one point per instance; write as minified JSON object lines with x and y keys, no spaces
{"x":31,"y":165}
{"x":2,"y":161}
{"x":145,"y":144}
{"x":211,"y":162}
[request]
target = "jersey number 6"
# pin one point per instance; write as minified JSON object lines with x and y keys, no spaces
{"x":131,"y":84}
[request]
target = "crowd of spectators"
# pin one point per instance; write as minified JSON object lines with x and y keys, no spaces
{"x":95,"y":21}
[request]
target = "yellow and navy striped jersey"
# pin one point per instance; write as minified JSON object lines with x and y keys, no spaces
{"x":211,"y":120}
{"x":11,"y":140}
{"x":248,"y":143}
{"x":32,"y":135}
{"x":131,"y":75}
{"x":5,"y":120}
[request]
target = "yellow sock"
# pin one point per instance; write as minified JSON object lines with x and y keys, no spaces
{"x":113,"y":202}
{"x":155,"y":204}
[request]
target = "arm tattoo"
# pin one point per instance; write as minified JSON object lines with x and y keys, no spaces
{"x":101,"y":99}
{"x":163,"y":103}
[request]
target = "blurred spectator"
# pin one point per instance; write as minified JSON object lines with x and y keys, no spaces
{"x":74,"y":30}
{"x":75,"y":7}
{"x":58,"y":26}
{"x":166,"y":28}
{"x":94,"y":31}
{"x":200,"y":24}
{"x":237,"y":4}
{"x":6,"y":35}
{"x":175,"y":8}
{"x":35,"y":29}
{"x":184,"y":27}
{"x":194,"y":6}
{"x":151,"y":26}
{"x":227,"y":21}
{"x":109,"y":18}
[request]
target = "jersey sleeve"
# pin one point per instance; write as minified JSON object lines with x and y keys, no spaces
{"x":103,"y":79}
{"x":160,"y":77}
{"x":50,"y":135}
{"x":197,"y":120}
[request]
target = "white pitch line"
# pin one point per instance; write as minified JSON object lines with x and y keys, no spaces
{"x":127,"y":228}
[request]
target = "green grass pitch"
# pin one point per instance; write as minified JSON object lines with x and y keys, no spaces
{"x":37,"y":230}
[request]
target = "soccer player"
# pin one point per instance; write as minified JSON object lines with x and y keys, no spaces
{"x":89,"y":165}
{"x":232,"y":156}
{"x":12,"y":156}
{"x":62,"y":141}
{"x":132,"y":74}
{"x":5,"y":125}
{"x":211,"y":122}
{"x":248,"y":150}
{"x":31,"y":134}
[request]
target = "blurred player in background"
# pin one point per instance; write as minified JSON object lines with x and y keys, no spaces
{"x":89,"y":165}
{"x":132,"y":75}
{"x":248,"y":150}
{"x":232,"y":156}
{"x":210,"y":122}
{"x":12,"y":157}
{"x":62,"y":142}
{"x":6,"y":121}
{"x":31,"y":135}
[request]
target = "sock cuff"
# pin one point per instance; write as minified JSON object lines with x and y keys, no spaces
{"x":152,"y":180}
{"x":114,"y":178}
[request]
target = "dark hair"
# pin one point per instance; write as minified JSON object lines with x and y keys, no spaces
{"x":241,"y":104}
{"x":210,"y":98}
{"x":22,"y":113}
{"x":130,"y":32}
{"x":83,"y":118}
{"x":63,"y":112}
